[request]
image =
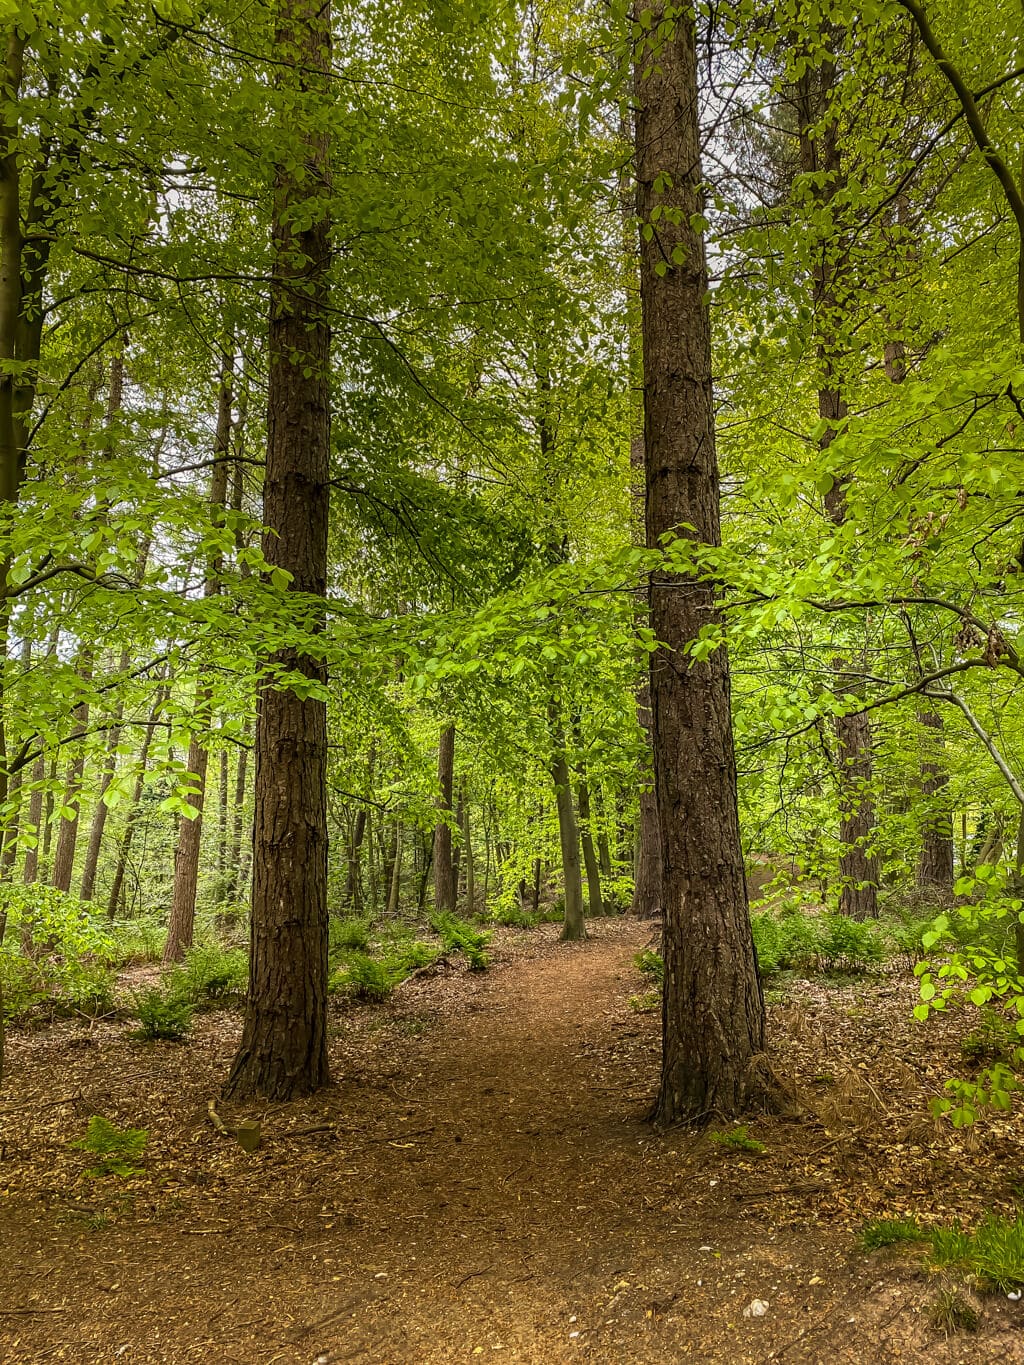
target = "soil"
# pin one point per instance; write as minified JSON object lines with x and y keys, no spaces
{"x":481,"y":1182}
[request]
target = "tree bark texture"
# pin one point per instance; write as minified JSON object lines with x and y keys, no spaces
{"x":713,"y":1013}
{"x":283,"y":1052}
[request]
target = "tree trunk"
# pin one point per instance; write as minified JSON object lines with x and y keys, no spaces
{"x":467,"y":845}
{"x":573,"y":926}
{"x":604,"y":851}
{"x":135,"y":810}
{"x":234,"y":861}
{"x":190,"y":830}
{"x":713,"y":1014}
{"x":595,"y":903}
{"x":444,"y":866}
{"x":67,"y":835}
{"x":935,"y":866}
{"x":647,"y":898}
{"x":820,"y":159}
{"x":396,"y":873}
{"x":30,"y":872}
{"x":283,"y":1052}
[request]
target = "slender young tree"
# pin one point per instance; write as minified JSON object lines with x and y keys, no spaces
{"x":713,"y":1015}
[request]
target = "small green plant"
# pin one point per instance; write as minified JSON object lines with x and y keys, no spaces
{"x":162,"y":1015}
{"x":459,"y":937}
{"x":738,"y":1140}
{"x":367,"y":978}
{"x":651,"y":964}
{"x":139,"y":940}
{"x":513,"y":917}
{"x":646,"y":1003}
{"x":348,"y":936}
{"x":119,"y":1149}
{"x":950,"y":1312}
{"x":994,"y":1254}
{"x":849,"y":945}
{"x":209,"y":974}
{"x":889,"y":1232}
{"x":994,"y":1039}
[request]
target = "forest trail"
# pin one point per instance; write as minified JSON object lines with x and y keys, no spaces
{"x":480,"y":1183}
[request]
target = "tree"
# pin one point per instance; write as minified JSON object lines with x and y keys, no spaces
{"x":713,"y":1012}
{"x":283,"y":1052}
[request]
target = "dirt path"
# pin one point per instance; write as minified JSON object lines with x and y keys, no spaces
{"x":480,"y":1183}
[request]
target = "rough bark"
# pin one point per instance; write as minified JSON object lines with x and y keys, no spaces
{"x":283,"y":1052}
{"x":713,"y":1014}
{"x":444,"y":866}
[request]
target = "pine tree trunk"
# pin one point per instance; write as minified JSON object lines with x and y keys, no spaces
{"x":236,"y":863}
{"x":284,"y":1041}
{"x":444,"y":865}
{"x":713,"y":1014}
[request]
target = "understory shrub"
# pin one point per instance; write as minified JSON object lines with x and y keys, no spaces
{"x":162,"y":1015}
{"x":459,"y":937}
{"x":209,"y":974}
{"x":350,"y":935}
{"x":651,"y":964}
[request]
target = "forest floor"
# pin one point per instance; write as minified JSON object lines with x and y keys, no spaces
{"x":480,"y":1182}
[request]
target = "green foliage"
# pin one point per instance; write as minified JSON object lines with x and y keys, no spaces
{"x":887,"y":1232}
{"x":347,"y":936}
{"x":950,"y":1312}
{"x":162,"y":1015}
{"x":513,"y":916}
{"x":849,"y":945}
{"x":367,"y":978}
{"x":651,"y":964}
{"x":119,"y":1149}
{"x":459,"y":937}
{"x":645,"y":1003}
{"x":994,"y":1254}
{"x":139,"y":940}
{"x":737,"y":1139}
{"x":617,"y":894}
{"x":995,"y":1038}
{"x":210,"y":974}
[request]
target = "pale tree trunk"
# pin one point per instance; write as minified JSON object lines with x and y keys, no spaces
{"x":283,"y":1052}
{"x":713,"y":1058}
{"x":236,"y":871}
{"x":396,"y":873}
{"x":67,"y":835}
{"x":467,"y":845}
{"x":30,"y":871}
{"x":135,"y":809}
{"x":190,"y":831}
{"x":444,"y":865}
{"x":573,"y":924}
{"x":595,"y":902}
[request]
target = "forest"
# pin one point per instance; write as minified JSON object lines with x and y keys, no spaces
{"x":511,"y":785}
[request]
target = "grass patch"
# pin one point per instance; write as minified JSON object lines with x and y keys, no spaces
{"x":950,"y":1312}
{"x":890,"y":1232}
{"x":994,"y":1254}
